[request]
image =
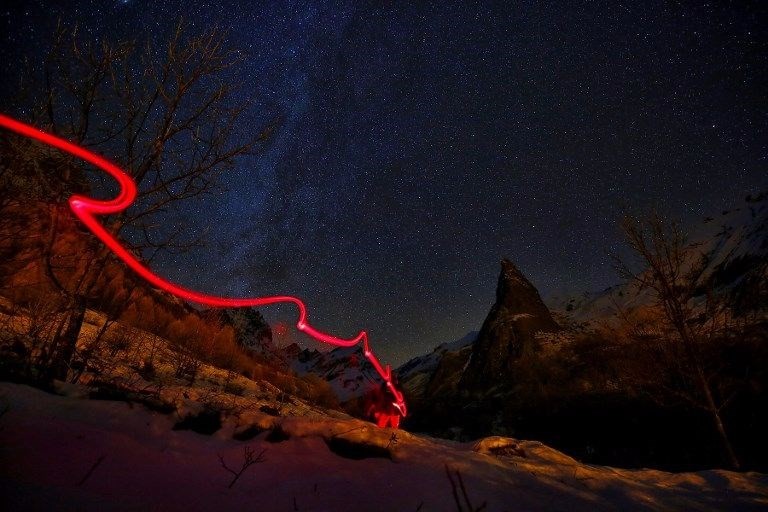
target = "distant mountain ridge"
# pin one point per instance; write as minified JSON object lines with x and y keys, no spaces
{"x":734,"y":244}
{"x":473,"y":378}
{"x":734,"y":247}
{"x":345,"y":368}
{"x":417,"y":374}
{"x":429,"y":362}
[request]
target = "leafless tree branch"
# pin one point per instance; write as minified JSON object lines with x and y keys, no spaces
{"x":250,"y":457}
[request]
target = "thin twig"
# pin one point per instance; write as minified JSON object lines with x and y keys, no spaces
{"x":90,"y":471}
{"x":453,"y":489}
{"x":464,"y":493}
{"x":249,"y":459}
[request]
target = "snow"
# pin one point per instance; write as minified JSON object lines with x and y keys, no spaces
{"x":736,"y":235}
{"x":347,"y":380}
{"x":520,"y":316}
{"x":427,"y":364}
{"x":352,"y":381}
{"x":49,"y":444}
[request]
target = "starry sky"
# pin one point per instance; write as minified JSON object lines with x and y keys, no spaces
{"x":419,"y":143}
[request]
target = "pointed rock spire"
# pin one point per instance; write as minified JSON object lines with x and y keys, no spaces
{"x":509,"y":330}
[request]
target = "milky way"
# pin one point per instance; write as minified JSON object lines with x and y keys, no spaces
{"x":416,"y":146}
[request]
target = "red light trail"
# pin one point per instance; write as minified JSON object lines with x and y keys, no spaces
{"x":86,"y":209}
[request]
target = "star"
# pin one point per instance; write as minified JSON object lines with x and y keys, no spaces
{"x":415,"y":145}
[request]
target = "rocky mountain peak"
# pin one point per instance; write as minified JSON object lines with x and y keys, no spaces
{"x":509,"y":331}
{"x":516,"y":293}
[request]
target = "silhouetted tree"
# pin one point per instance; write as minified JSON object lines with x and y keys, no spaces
{"x":168,"y":114}
{"x":688,"y":317}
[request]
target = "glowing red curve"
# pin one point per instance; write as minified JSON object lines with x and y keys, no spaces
{"x":86,"y":209}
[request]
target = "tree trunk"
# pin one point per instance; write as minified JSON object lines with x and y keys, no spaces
{"x":712,"y":409}
{"x":730,"y":454}
{"x":706,"y":390}
{"x":88,"y":353}
{"x":66,"y":344}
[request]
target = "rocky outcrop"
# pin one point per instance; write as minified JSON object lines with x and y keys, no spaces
{"x":253,"y":332}
{"x":509,"y":332}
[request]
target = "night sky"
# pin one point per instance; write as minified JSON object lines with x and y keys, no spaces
{"x":418,"y":145}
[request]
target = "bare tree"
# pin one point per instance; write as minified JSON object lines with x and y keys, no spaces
{"x":250,"y":457}
{"x":689,"y":317}
{"x":168,"y":114}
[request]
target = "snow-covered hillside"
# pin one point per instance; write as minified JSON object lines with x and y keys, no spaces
{"x":345,"y":368}
{"x":349,"y":373}
{"x":66,"y":453}
{"x":734,"y":245}
{"x":428,"y":362}
{"x":416,"y":374}
{"x":736,"y":242}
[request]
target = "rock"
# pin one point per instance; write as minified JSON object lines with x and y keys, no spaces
{"x":509,"y":331}
{"x":497,"y":445}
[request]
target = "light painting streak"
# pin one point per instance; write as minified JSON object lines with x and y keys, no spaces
{"x":86,"y":209}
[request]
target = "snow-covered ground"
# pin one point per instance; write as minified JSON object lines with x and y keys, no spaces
{"x":68,"y":453}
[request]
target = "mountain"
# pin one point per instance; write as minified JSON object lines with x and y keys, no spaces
{"x":733,"y":249}
{"x":416,"y":374}
{"x":511,"y":330}
{"x":737,"y":252}
{"x":345,"y":368}
{"x":253,"y":332}
{"x":458,"y":374}
{"x":351,"y":375}
{"x":551,"y":375}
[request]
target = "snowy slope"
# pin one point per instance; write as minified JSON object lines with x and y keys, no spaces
{"x":60,"y":453}
{"x":416,"y":374}
{"x":427,"y":363}
{"x":736,"y":243}
{"x":733,"y":243}
{"x":345,"y":368}
{"x":349,"y":373}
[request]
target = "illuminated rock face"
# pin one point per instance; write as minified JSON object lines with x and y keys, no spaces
{"x":509,"y":331}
